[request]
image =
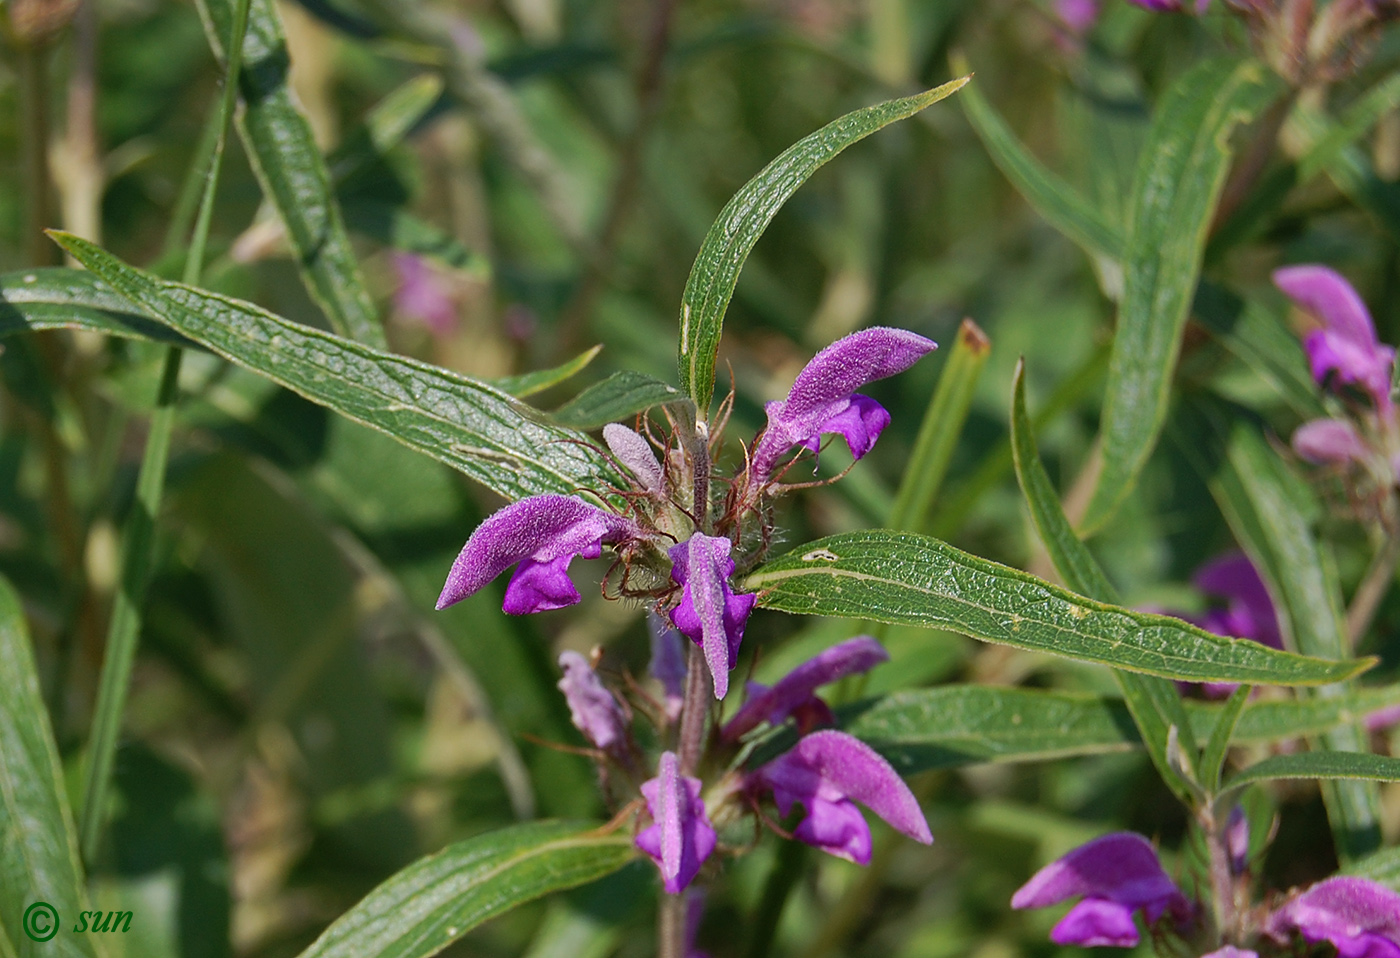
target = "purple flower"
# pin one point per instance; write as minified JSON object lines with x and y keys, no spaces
{"x":681,"y":837}
{"x":1230,"y":951}
{"x":543,"y":534}
{"x":827,"y":772}
{"x":667,"y":663}
{"x":592,"y":707}
{"x":793,"y":694}
{"x":1237,"y":839}
{"x":823,"y":399}
{"x":423,"y":294}
{"x":1250,"y":613}
{"x":1114,"y":875}
{"x":1329,"y":441}
{"x":1077,"y":15}
{"x":1170,"y":6}
{"x":1359,"y":917}
{"x":710,"y":613}
{"x":1346,"y":344}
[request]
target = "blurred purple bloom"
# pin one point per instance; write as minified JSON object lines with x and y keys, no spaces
{"x":827,"y":772}
{"x":1230,"y":951}
{"x":1382,"y":718}
{"x":793,"y":694}
{"x":1114,"y":875}
{"x":636,"y":454}
{"x":423,"y":294}
{"x":681,"y":837}
{"x":823,"y":399}
{"x":667,"y":663}
{"x":1359,"y":917}
{"x":1329,"y":442}
{"x":592,"y":707}
{"x":1346,"y":344}
{"x":1170,"y":6}
{"x":1250,"y":613}
{"x":1237,"y":839}
{"x":543,"y":534}
{"x":710,"y":613}
{"x":1077,"y":15}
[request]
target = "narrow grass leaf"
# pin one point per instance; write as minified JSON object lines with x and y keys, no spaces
{"x":1155,"y":704}
{"x":1218,"y":745}
{"x":61,"y":298}
{"x":1047,"y":193}
{"x":292,"y":171}
{"x":38,"y":840}
{"x":1178,"y":181}
{"x":908,"y":579}
{"x":746,"y":216}
{"x":527,"y":384}
{"x":438,"y":899}
{"x":385,"y":127}
{"x":1320,"y":765}
{"x":470,"y":425}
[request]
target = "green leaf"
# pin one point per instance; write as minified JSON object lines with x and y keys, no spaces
{"x":1155,"y":704}
{"x":395,"y":227}
{"x":1218,"y":746}
{"x":1179,"y":179}
{"x":1256,"y":336}
{"x":385,"y":127}
{"x":438,"y":899}
{"x":1324,"y":765}
{"x":59,"y":298}
{"x":621,"y":395}
{"x":470,"y":425}
{"x":38,"y":840}
{"x":1382,"y":866}
{"x":527,"y":384}
{"x":1260,"y":499}
{"x":292,"y":171}
{"x":746,"y":216}
{"x":1048,"y":194}
{"x":908,"y":579}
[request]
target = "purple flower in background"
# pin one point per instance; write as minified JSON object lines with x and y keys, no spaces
{"x":1077,"y":15}
{"x":828,"y":772}
{"x":424,"y":294}
{"x":1346,"y":345}
{"x":1114,"y":876}
{"x":1170,"y":6}
{"x":681,"y":837}
{"x":1237,"y":839}
{"x":667,"y":663}
{"x":1230,"y":951}
{"x":793,"y":694}
{"x":1359,"y":917}
{"x":710,"y":613}
{"x":823,"y":399}
{"x":592,"y":707}
{"x":1250,"y":613}
{"x":1329,"y":442}
{"x":543,"y":534}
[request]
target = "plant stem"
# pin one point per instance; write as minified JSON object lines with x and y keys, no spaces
{"x":33,"y":56}
{"x":81,"y":175}
{"x":695,"y":709}
{"x":125,"y":625}
{"x":670,"y":926}
{"x":1373,"y":588}
{"x":1222,"y":883}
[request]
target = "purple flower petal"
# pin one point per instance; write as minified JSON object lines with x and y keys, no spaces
{"x":636,"y":454}
{"x":423,"y":294}
{"x":592,"y":707}
{"x":825,"y":772}
{"x":1237,"y":839}
{"x":1359,"y":917}
{"x":1346,"y":344}
{"x":1250,"y":614}
{"x":682,"y":837}
{"x":1077,"y":15}
{"x":1120,"y":867}
{"x":795,"y":689}
{"x":1230,"y":951}
{"x":823,"y":398}
{"x":1096,"y":922}
{"x":1329,"y":441}
{"x":667,"y":663}
{"x":710,"y":613}
{"x":543,"y":534}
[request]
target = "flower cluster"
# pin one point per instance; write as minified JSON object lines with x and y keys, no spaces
{"x":1363,"y":442}
{"x":1119,"y":874}
{"x":680,"y":550}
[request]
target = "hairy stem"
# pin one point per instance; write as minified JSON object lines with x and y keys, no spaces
{"x":670,"y":926}
{"x":1222,"y":883}
{"x":694,"y":710}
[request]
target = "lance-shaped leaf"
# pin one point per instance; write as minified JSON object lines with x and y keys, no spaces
{"x":747,"y":215}
{"x":1320,"y":765}
{"x":617,"y":398}
{"x":292,"y":171}
{"x":59,"y":298}
{"x":1047,"y":193}
{"x":500,"y":442}
{"x":38,"y":842}
{"x":1155,"y":703}
{"x":954,"y":725}
{"x":907,"y":579}
{"x":438,"y":899}
{"x":1179,"y":179}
